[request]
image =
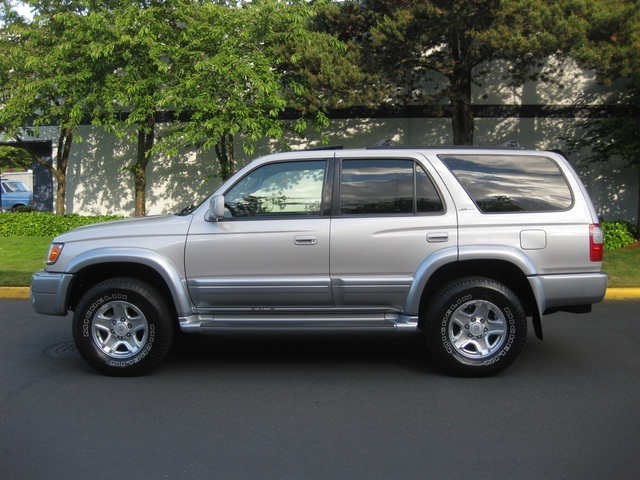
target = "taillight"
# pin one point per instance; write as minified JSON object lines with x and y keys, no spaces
{"x":596,"y":242}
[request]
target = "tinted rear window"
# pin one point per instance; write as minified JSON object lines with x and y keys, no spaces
{"x":511,"y":183}
{"x":391,"y":186}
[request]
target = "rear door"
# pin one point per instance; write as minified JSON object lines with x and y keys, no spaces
{"x":389,"y":215}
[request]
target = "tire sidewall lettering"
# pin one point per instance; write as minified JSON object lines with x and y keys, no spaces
{"x":145,"y":351}
{"x":444,"y":324}
{"x":511,"y":326}
{"x":88,"y":319}
{"x":446,"y":319}
{"x":99,"y":302}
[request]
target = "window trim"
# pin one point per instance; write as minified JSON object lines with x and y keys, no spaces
{"x":337,"y":190}
{"x":442,"y":157}
{"x":284,"y":216}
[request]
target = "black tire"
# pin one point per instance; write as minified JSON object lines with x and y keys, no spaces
{"x":123,"y":327}
{"x":475,"y":327}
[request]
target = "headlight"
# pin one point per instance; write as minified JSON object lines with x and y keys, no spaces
{"x":54,"y":253}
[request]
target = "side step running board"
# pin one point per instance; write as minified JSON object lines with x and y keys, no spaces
{"x":298,"y":323}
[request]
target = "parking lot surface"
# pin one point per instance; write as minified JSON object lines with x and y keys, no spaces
{"x":323,"y":407}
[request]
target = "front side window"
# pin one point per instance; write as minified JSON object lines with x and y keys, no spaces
{"x":386,"y":187}
{"x":287,"y":188}
{"x":511,"y":183}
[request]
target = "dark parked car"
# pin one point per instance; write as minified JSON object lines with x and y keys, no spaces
{"x":15,"y":195}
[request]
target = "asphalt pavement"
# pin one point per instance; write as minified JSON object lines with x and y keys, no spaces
{"x":323,"y":407}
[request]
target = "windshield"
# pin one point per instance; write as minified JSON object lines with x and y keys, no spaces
{"x":18,"y":187}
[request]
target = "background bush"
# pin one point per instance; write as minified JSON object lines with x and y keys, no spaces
{"x":44,"y":224}
{"x":618,"y":235}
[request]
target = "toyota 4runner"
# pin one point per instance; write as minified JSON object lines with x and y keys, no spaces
{"x":462,"y":244}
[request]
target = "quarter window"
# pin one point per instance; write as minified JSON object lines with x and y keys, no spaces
{"x":386,"y":187}
{"x":287,"y":188}
{"x":511,"y":183}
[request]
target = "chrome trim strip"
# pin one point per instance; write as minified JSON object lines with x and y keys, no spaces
{"x":309,"y":322}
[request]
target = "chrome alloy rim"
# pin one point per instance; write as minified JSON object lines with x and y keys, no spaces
{"x":477,"y":329}
{"x":120,"y":329}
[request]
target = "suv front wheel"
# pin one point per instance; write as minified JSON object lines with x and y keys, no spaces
{"x":122,"y":327}
{"x":475,"y":327}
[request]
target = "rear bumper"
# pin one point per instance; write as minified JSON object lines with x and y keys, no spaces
{"x":566,"y":291}
{"x":49,"y":292}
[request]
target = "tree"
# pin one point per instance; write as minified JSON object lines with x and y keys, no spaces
{"x":235,"y":69}
{"x":433,"y":51}
{"x":610,"y":44}
{"x":132,"y":47}
{"x":48,"y":78}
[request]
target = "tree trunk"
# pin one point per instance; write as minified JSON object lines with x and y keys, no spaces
{"x":146,"y":138}
{"x":226,"y":156}
{"x":460,"y":90}
{"x":64,"y":149}
{"x":462,"y":119}
{"x":65,"y":141}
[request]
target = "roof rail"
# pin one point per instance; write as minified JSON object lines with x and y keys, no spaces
{"x":387,"y":142}
{"x":326,"y":147}
{"x":504,"y":145}
{"x":508,"y":144}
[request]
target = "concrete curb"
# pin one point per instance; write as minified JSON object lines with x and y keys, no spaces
{"x":14,"y":292}
{"x":612,"y":293}
{"x":622,"y":293}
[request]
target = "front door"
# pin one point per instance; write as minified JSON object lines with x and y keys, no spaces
{"x":272,"y":248}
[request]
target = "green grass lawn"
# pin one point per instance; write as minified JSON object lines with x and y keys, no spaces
{"x":623,"y":267}
{"x":22,"y":256}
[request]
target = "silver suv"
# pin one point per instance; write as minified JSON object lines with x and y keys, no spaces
{"x":461,"y":244}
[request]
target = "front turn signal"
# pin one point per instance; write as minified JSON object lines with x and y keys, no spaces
{"x":54,"y":253}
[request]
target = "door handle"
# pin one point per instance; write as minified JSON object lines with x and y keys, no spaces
{"x":300,"y":240}
{"x":438,"y":237}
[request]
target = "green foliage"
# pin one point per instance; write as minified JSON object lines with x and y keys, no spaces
{"x":44,"y":224}
{"x":12,"y":157}
{"x":617,"y":235}
{"x":433,"y":52}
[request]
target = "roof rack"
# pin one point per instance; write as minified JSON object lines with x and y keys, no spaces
{"x":326,"y":147}
{"x":387,"y":142}
{"x":510,"y":145}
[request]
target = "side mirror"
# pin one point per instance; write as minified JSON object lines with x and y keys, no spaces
{"x":216,"y":209}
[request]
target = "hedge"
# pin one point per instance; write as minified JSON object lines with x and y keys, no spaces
{"x":44,"y":224}
{"x":618,"y":234}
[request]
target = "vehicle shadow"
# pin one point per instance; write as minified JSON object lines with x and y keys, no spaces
{"x":309,"y":352}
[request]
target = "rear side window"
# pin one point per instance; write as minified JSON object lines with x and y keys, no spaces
{"x":511,"y":183}
{"x":394,"y":186}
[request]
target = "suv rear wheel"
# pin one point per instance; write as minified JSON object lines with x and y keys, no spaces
{"x":475,"y":327}
{"x":122,"y":327}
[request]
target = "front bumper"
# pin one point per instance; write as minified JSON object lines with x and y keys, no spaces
{"x":50,"y":292}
